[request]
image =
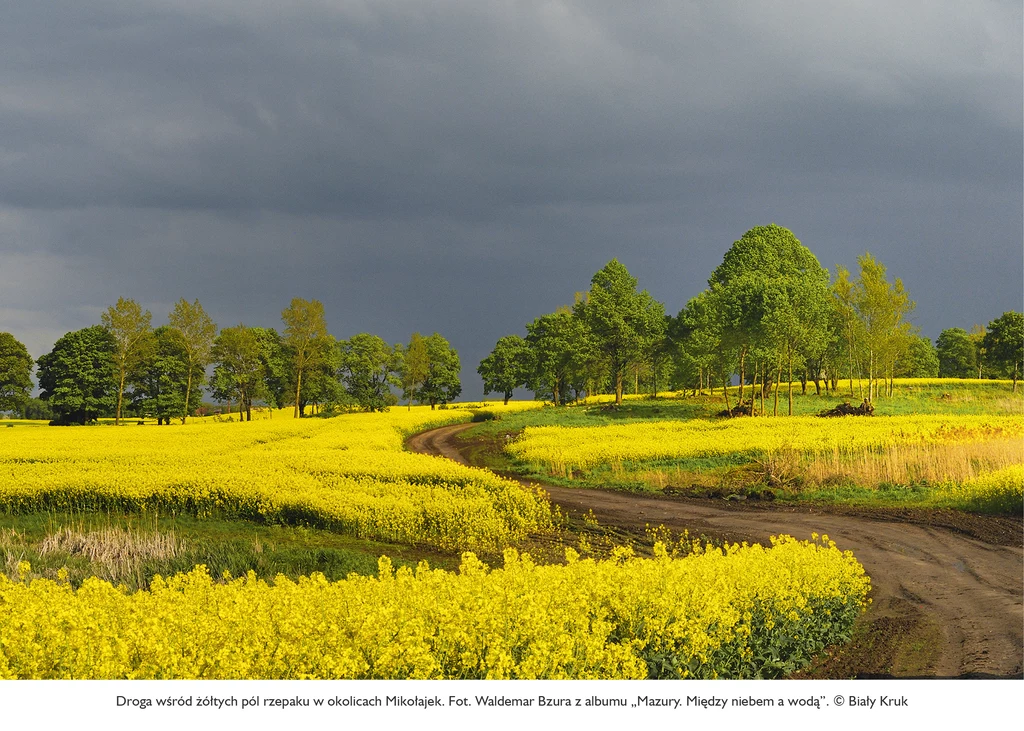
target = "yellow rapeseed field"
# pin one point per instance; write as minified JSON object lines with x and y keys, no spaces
{"x":348,"y":474}
{"x":561,"y":450}
{"x":745,"y":611}
{"x":1001,"y":491}
{"x":742,"y":611}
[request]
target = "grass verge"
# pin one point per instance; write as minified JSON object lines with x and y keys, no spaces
{"x":132,"y":549}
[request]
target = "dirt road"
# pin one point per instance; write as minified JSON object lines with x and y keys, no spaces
{"x":960,"y":597}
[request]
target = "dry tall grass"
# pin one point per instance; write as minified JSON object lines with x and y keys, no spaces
{"x":904,"y":464}
{"x":897,"y":464}
{"x":115,"y":552}
{"x":12,"y":550}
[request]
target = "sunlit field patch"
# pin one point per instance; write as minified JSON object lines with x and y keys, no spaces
{"x":562,"y":450}
{"x":347,"y":474}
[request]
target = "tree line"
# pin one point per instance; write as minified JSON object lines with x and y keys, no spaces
{"x":771,"y":315}
{"x":125,"y":366}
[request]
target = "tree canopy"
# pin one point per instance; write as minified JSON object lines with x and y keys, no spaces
{"x":956,"y":353}
{"x":624,"y":323}
{"x":129,"y":328}
{"x":305,"y":333}
{"x":1004,"y":344}
{"x":368,"y":367}
{"x":562,"y":351}
{"x":920,"y":361}
{"x":883,"y":309}
{"x":160,"y":381}
{"x":15,"y":373}
{"x":772,"y":299}
{"x":239,"y":372}
{"x":77,"y":377}
{"x":194,"y":331}
{"x":442,"y":384}
{"x":415,"y":367}
{"x":768,"y":312}
{"x":507,"y":367}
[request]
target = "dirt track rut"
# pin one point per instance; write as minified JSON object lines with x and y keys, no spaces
{"x":970,"y":591}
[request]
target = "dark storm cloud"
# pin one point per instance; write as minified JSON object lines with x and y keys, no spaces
{"x":467,"y":166}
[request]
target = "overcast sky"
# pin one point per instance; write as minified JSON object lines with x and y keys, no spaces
{"x":464,"y":167}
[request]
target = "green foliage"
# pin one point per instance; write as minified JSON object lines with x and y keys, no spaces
{"x":625,"y":324}
{"x":239,"y":373}
{"x":321,"y":387}
{"x":956,"y":354}
{"x":921,"y":359}
{"x":1004,"y":344}
{"x":562,"y":355}
{"x":15,"y":373}
{"x":882,"y":308}
{"x":977,"y":336}
{"x":442,"y":383}
{"x":368,"y":369}
{"x":655,"y":372}
{"x":77,"y":377}
{"x":306,"y":337}
{"x":130,"y":329}
{"x":37,"y":409}
{"x":160,"y":381}
{"x":278,"y":388}
{"x":769,"y":301}
{"x":507,"y":367}
{"x":415,"y":367}
{"x":698,"y":334}
{"x":850,"y":328}
{"x":194,"y":331}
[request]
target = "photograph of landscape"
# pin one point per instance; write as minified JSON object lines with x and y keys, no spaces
{"x":513,"y":341}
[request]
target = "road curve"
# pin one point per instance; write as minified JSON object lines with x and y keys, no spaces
{"x":971,"y":591}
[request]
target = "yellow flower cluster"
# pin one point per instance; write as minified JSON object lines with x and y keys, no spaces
{"x":563,"y":449}
{"x":348,"y":474}
{"x":746,"y":611}
{"x":1001,"y":491}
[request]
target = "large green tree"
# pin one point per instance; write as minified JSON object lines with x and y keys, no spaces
{"x":415,"y":367}
{"x":625,"y":323}
{"x":130,"y":328}
{"x":956,"y":353}
{"x":882,"y":308}
{"x":977,"y":336}
{"x":442,"y":383}
{"x":697,"y":332}
{"x":368,"y":368}
{"x":772,"y":297}
{"x":920,"y":361}
{"x":850,"y":329}
{"x":277,"y":361}
{"x":321,"y":388}
{"x":507,"y":367}
{"x":194,"y":331}
{"x":15,"y":373}
{"x":160,"y":381}
{"x":562,"y":354}
{"x":305,"y":333}
{"x":1004,"y":344}
{"x":77,"y":378}
{"x":238,"y":375}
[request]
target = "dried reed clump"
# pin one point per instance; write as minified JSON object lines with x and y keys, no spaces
{"x":904,"y":464}
{"x":12,"y":550}
{"x":117,"y":551}
{"x":1010,"y":405}
{"x":11,"y":537}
